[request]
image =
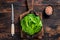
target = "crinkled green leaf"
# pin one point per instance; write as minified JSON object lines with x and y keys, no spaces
{"x":31,"y":24}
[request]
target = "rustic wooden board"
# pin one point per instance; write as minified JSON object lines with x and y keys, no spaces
{"x":53,"y":22}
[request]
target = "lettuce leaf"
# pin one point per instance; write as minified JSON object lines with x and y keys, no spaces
{"x":31,"y":24}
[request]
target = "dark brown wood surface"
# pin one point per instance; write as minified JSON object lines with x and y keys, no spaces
{"x":51,"y":24}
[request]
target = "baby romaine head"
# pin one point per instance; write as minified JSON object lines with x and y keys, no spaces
{"x":31,"y":24}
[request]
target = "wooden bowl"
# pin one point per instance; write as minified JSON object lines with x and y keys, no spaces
{"x":36,"y":35}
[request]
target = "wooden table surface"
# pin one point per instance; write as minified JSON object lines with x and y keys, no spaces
{"x":51,"y":25}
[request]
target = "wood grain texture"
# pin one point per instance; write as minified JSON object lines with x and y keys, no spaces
{"x":52,"y":22}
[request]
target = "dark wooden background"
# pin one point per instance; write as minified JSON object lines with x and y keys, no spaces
{"x":51,"y":25}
